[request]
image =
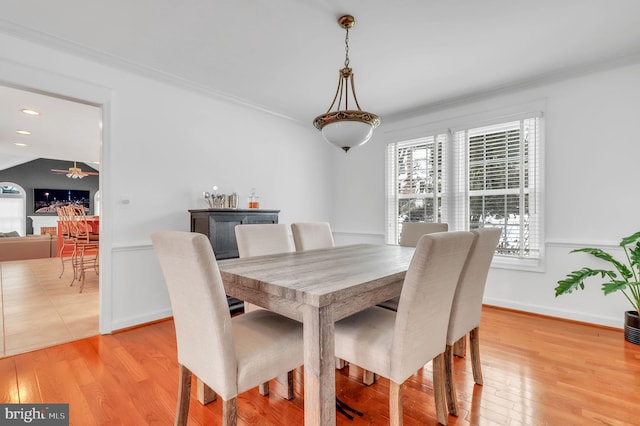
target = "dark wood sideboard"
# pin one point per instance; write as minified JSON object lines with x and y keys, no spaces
{"x":219,"y":226}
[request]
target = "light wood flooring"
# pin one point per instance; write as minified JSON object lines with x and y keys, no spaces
{"x":537,"y":371}
{"x":38,"y":309}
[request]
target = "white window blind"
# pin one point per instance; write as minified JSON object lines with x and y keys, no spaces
{"x":12,"y":209}
{"x":415,"y":182}
{"x":473,"y":178}
{"x":501,"y":187}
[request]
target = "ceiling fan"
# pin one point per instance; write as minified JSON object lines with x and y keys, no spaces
{"x":75,"y":172}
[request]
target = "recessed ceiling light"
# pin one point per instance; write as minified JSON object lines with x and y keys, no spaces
{"x":30,"y":111}
{"x":20,"y":144}
{"x":23,"y":132}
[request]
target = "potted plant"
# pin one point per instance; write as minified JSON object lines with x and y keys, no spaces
{"x":623,"y":277}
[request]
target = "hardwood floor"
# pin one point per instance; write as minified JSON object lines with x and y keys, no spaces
{"x":537,"y":371}
{"x":39,"y":309}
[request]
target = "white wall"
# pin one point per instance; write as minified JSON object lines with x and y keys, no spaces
{"x":591,"y":162}
{"x":187,"y":142}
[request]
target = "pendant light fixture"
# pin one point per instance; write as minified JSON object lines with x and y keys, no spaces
{"x":346,"y":128}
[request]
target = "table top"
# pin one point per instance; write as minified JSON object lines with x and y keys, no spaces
{"x":319,"y":277}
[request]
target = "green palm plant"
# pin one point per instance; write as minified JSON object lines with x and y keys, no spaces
{"x":625,"y":277}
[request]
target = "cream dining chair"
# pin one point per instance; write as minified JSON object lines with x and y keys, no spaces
{"x":409,"y":236}
{"x":230,"y":355}
{"x":412,"y":231}
{"x":261,"y":240}
{"x":312,"y":235}
{"x":397,"y":344}
{"x":466,"y":309}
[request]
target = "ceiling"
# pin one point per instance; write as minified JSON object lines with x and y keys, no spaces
{"x":283,"y":56}
{"x":64,"y":130}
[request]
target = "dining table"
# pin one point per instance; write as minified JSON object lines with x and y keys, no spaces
{"x":318,"y":288}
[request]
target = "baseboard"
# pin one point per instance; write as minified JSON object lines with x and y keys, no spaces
{"x":558,"y":313}
{"x":139,"y":320}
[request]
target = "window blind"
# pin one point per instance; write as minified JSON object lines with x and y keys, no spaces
{"x":12,"y":217}
{"x":498,"y":184}
{"x":470,"y":178}
{"x":415,"y":184}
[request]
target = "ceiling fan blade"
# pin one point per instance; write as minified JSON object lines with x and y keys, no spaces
{"x":60,"y":171}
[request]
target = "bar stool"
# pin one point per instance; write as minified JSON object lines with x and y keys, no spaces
{"x":66,"y":239}
{"x":86,"y":244}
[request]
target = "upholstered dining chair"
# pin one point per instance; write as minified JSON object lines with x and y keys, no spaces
{"x":260,"y":240}
{"x":466,"y":309}
{"x":230,"y":355}
{"x":409,"y":237}
{"x":312,"y":235}
{"x":412,"y":231}
{"x":397,"y":344}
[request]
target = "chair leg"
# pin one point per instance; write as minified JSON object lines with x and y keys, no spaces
{"x":184,"y":394}
{"x":460,"y":347}
{"x":439,"y":393}
{"x":74,"y":264}
{"x":230,"y":412}
{"x":395,"y":403}
{"x":368,"y":377}
{"x":263,"y":389}
{"x":281,"y":386}
{"x":290,"y":385}
{"x":474,"y":340}
{"x":60,"y":251}
{"x":452,"y":400}
{"x":82,"y":272}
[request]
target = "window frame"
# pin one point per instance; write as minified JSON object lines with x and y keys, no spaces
{"x":456,"y":181}
{"x":22,"y":195}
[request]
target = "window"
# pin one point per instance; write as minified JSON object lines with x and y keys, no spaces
{"x":12,"y":208}
{"x":417,"y":181}
{"x":472,"y":177}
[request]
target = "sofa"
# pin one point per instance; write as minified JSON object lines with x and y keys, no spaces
{"x":29,"y":247}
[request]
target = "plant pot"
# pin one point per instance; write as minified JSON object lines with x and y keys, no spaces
{"x":632,"y":327}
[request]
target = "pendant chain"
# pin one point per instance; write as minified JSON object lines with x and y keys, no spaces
{"x":346,"y":49}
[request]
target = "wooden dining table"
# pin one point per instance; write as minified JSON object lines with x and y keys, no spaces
{"x":319,"y":287}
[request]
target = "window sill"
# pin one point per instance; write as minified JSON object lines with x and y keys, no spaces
{"x":526,"y":265}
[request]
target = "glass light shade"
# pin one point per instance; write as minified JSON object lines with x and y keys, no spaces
{"x":347,"y":134}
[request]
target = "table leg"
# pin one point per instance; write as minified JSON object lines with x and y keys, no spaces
{"x":319,"y":367}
